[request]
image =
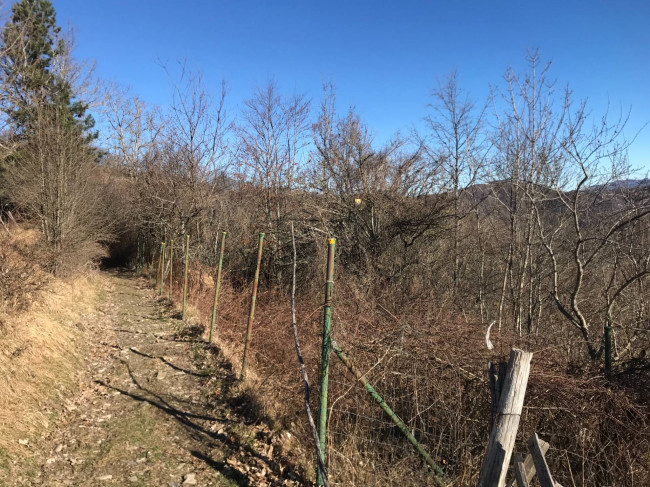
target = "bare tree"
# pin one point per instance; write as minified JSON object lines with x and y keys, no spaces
{"x":54,"y":178}
{"x":272,"y":136}
{"x":456,"y":144}
{"x":379,"y":202}
{"x":528,"y":139}
{"x":135,"y":130}
{"x":593,"y":240}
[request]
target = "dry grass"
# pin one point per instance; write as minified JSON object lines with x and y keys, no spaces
{"x":40,"y":350}
{"x":21,"y":273}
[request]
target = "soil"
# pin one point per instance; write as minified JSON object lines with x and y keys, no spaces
{"x":156,"y":406}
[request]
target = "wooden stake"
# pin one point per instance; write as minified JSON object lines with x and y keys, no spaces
{"x":529,"y":465}
{"x":520,"y":472}
{"x":162,"y":270}
{"x":543,"y":473}
{"x":504,"y":431}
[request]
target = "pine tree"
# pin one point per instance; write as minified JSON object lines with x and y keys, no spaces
{"x":49,"y":161}
{"x":31,"y":47}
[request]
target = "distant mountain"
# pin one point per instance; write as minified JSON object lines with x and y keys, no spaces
{"x":627,"y":184}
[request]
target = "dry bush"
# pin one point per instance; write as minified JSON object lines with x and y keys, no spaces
{"x":21,"y":267}
{"x":53,"y":178}
{"x":431,"y":369}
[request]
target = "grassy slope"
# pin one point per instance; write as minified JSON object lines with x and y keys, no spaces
{"x":41,"y":346}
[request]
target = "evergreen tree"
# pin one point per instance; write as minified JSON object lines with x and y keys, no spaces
{"x":31,"y":48}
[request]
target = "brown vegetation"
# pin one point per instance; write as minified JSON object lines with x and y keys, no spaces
{"x":40,"y":343}
{"x":524,"y":216}
{"x":529,"y":224}
{"x":433,"y":373}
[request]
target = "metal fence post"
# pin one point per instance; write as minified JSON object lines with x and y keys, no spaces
{"x":325,"y":353}
{"x":171,"y":270}
{"x":251,"y":313}
{"x":216,"y":288}
{"x":187,"y":261}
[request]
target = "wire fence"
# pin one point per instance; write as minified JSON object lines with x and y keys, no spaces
{"x":432,"y":374}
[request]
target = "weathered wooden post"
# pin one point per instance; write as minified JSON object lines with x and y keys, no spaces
{"x":187,"y":262}
{"x":496,"y":376}
{"x":216,"y":288}
{"x":326,"y":348}
{"x":171,"y":270}
{"x":251,"y":313}
{"x":520,"y":472}
{"x":504,"y":430}
{"x":529,"y":465}
{"x":543,"y":472}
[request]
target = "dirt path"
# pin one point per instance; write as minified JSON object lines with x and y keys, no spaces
{"x":156,"y":408}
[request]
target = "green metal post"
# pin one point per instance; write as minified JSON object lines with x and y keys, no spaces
{"x":251,"y":313}
{"x":162,"y":246}
{"x":216,"y":288}
{"x":325,"y":354}
{"x":437,"y":470}
{"x":162,"y":271}
{"x":141,"y":259}
{"x":187,"y":262}
{"x":137,"y":257}
{"x":171,"y":270}
{"x":608,"y":349}
{"x":150,"y":265}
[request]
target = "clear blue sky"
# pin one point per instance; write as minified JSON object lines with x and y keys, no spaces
{"x":384,"y":57}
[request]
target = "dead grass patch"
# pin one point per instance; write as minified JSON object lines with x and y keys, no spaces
{"x":40,"y":356}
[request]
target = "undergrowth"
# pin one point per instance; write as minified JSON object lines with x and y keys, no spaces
{"x":431,"y":368}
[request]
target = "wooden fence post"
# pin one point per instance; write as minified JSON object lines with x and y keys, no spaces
{"x":504,"y":431}
{"x":162,"y":271}
{"x":529,"y":465}
{"x":162,"y":247}
{"x":543,"y":473}
{"x":520,"y":472}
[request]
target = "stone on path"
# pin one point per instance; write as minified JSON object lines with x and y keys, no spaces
{"x":190,"y":479}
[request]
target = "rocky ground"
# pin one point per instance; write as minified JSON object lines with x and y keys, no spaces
{"x":156,"y":407}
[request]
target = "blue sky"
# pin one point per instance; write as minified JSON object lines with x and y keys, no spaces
{"x":384,"y":57}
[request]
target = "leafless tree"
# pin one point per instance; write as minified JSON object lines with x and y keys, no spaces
{"x":595,"y":238}
{"x":456,"y":144}
{"x":135,"y":130}
{"x":55,"y":179}
{"x":272,"y":136}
